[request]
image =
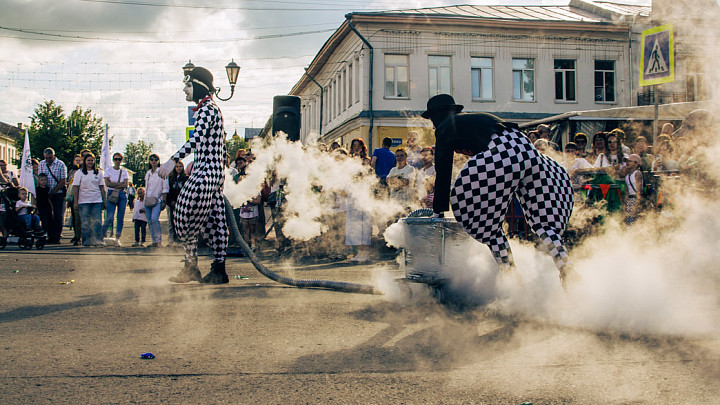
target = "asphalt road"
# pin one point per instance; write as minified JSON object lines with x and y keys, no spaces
{"x":256,"y":341}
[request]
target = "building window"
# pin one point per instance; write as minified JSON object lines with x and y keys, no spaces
{"x":333,"y":97}
{"x":357,"y":79}
{"x":396,"y":76}
{"x":605,"y":80}
{"x":343,"y":90}
{"x":481,"y":72}
{"x":326,"y":114}
{"x":564,"y":80}
{"x":439,"y":75}
{"x":523,"y":79}
{"x":350,"y":75}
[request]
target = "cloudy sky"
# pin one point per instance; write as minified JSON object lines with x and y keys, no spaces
{"x":122,"y":58}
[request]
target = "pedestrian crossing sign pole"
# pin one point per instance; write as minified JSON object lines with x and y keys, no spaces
{"x":657,"y":64}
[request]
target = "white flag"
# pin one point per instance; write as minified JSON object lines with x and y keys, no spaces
{"x":27,"y":179}
{"x":105,"y":158}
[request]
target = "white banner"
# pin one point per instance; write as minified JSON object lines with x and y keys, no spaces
{"x":27,"y":179}
{"x":105,"y":158}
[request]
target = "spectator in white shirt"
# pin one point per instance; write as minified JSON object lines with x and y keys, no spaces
{"x":401,"y":179}
{"x":116,"y":180}
{"x":89,"y":200}
{"x":156,"y":190}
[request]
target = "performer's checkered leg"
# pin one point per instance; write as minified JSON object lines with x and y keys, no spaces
{"x":552,"y":242}
{"x":546,"y":196}
{"x":190,"y":248}
{"x":187,"y":222}
{"x":216,"y":230}
{"x":216,"y":234}
{"x":500,"y":249}
{"x":191,"y":210}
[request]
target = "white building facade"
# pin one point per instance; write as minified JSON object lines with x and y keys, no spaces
{"x":374,"y":75}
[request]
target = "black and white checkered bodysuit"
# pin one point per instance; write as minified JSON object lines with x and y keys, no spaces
{"x":200,"y":205}
{"x":504,"y":164}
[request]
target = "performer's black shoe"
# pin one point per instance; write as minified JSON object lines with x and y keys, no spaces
{"x":189,"y":273}
{"x":217,"y":274}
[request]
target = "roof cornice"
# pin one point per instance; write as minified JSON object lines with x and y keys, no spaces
{"x":463,"y":21}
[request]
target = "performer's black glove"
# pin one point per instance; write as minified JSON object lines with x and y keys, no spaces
{"x":438,"y":215}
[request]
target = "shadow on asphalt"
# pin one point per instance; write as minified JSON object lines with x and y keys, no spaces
{"x":426,"y":336}
{"x":32,"y":311}
{"x":162,"y":294}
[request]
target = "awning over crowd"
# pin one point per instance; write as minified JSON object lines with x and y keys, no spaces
{"x":591,"y":121}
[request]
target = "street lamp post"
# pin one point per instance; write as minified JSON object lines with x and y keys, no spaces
{"x":232,"y":69}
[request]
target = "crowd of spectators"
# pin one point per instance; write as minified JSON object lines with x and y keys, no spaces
{"x":633,"y":169}
{"x":85,"y":191}
{"x":405,"y":174}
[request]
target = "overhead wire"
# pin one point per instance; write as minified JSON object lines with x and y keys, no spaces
{"x":204,"y":31}
{"x":353,"y":5}
{"x":79,"y":38}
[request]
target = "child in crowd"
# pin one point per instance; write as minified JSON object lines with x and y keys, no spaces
{"x":139,"y":218}
{"x":249,"y":214}
{"x":44,"y":206}
{"x":25,"y":210}
{"x":634,"y":184}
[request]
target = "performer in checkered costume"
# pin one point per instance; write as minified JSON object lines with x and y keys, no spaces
{"x":200,"y":206}
{"x":504,"y":163}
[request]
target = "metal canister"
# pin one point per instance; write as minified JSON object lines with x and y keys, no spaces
{"x":433,"y":246}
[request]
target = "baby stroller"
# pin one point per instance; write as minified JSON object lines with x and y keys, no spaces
{"x":26,"y":238}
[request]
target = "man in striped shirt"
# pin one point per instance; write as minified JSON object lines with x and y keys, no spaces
{"x":56,"y":172}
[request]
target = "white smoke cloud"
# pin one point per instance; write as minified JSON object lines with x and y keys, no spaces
{"x":657,"y":276}
{"x":306,"y":171}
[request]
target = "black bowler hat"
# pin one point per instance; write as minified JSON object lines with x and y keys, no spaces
{"x":441,"y":101}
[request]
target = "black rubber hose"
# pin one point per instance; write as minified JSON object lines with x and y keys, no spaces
{"x":311,"y":283}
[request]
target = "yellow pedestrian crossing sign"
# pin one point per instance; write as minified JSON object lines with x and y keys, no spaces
{"x":657,"y":64}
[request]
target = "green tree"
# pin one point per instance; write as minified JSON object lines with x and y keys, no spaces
{"x":233,"y":144}
{"x":67,"y":135}
{"x":85,"y":130}
{"x":136,"y":158}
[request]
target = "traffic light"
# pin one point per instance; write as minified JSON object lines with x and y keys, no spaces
{"x":286,"y":116}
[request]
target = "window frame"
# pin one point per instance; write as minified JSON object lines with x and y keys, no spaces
{"x":522,"y":75}
{"x":564,"y":73}
{"x":604,"y":73}
{"x":395,"y":69}
{"x":356,"y":91}
{"x":439,"y":70}
{"x":479,"y":70}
